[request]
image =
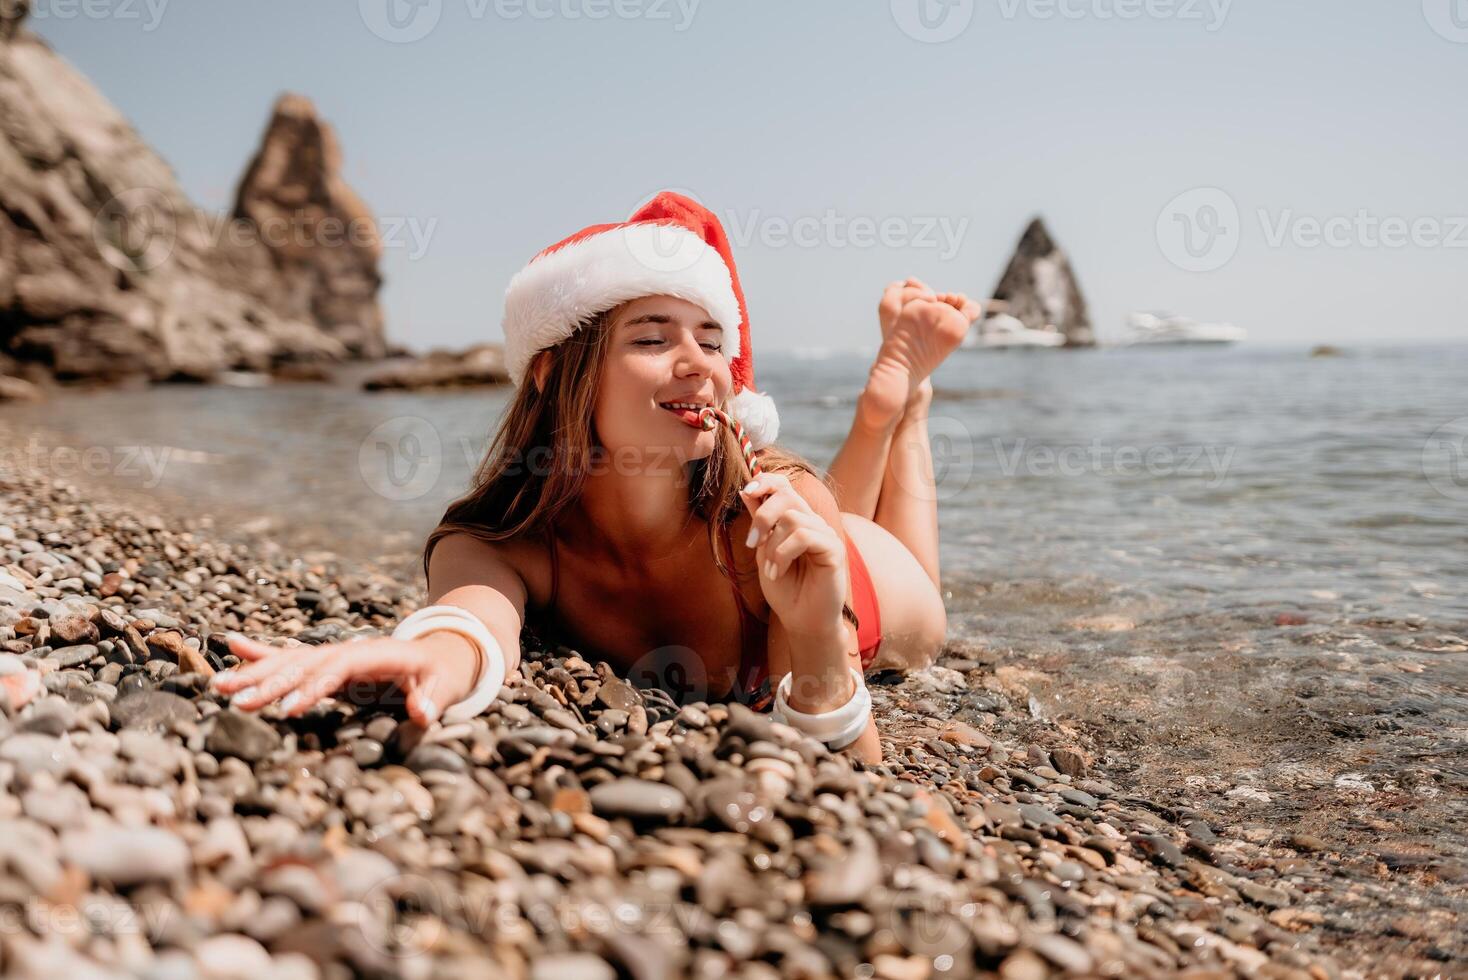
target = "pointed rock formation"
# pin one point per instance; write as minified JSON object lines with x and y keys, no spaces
{"x":1039,"y":288}
{"x":108,"y":271}
{"x":320,"y":235}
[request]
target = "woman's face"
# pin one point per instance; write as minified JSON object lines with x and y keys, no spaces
{"x":661,"y":350}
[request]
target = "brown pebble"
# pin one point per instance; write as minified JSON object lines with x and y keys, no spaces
{"x":1071,"y":762}
{"x":71,"y":630}
{"x":570,"y":800}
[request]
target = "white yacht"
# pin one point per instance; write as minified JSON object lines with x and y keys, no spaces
{"x":1167,"y":328}
{"x":1004,"y":331}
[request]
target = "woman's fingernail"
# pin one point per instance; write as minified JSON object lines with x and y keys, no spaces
{"x":223,"y":677}
{"x":244,"y":694}
{"x":751,"y":486}
{"x":769,"y":569}
{"x":290,"y":701}
{"x":753,"y":538}
{"x":430,"y":710}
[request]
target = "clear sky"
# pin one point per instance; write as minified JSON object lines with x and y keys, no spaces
{"x":1293,"y":166}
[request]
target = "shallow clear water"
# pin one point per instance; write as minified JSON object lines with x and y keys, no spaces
{"x":1247,"y":475}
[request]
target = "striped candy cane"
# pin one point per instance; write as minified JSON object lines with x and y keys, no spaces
{"x":711,"y":417}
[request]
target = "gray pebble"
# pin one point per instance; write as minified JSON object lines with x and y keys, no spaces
{"x":639,"y":798}
{"x":34,"y":752}
{"x":242,"y":734}
{"x":127,"y":855}
{"x":156,"y":711}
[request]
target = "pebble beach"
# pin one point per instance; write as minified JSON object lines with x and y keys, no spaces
{"x":582,"y":827}
{"x":1202,"y":709}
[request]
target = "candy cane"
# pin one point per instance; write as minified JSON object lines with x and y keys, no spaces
{"x":711,"y":417}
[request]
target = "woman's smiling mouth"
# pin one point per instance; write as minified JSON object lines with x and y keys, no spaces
{"x":687,"y":411}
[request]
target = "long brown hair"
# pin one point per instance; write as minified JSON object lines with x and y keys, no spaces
{"x":538,"y":462}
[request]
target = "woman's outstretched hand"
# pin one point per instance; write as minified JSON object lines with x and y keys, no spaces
{"x":801,"y":558}
{"x":433,"y":672}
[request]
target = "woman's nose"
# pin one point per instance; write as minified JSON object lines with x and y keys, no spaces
{"x":693,"y":358}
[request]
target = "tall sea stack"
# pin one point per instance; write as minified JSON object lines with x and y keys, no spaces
{"x":1040,"y":288}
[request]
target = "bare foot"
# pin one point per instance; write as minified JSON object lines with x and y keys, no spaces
{"x":895,"y":297}
{"x":924,"y":333}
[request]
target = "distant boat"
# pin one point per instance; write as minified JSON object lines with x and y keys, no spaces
{"x":1002,"y":331}
{"x":1168,"y":328}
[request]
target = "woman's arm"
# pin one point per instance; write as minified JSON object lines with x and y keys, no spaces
{"x":820,"y":654}
{"x":435,"y":670}
{"x":467,"y":572}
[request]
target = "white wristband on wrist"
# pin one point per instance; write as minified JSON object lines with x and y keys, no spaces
{"x":838,"y":727}
{"x":491,"y":675}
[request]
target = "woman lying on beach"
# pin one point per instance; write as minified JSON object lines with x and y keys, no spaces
{"x":609,"y":516}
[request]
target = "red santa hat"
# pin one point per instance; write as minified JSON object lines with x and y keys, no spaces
{"x":671,"y":246}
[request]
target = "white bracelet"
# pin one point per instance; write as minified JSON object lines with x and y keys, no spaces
{"x":491,"y":675}
{"x":838,"y":727}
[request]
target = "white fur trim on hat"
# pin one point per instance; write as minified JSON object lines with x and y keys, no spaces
{"x":756,"y":412}
{"x":548,"y":299}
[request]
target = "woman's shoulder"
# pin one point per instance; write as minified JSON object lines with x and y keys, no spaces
{"x":462,"y":555}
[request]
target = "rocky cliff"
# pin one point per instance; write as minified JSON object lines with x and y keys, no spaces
{"x":107,"y":270}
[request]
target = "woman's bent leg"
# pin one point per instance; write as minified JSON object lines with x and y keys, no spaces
{"x":908,"y":505}
{"x":914,"y":622}
{"x":860,"y":465}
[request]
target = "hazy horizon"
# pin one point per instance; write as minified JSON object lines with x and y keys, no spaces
{"x":1294,"y":171}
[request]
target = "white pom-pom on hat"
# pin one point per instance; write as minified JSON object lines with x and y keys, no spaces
{"x":756,"y":412}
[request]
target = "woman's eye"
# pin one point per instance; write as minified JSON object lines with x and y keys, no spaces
{"x":654,"y":340}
